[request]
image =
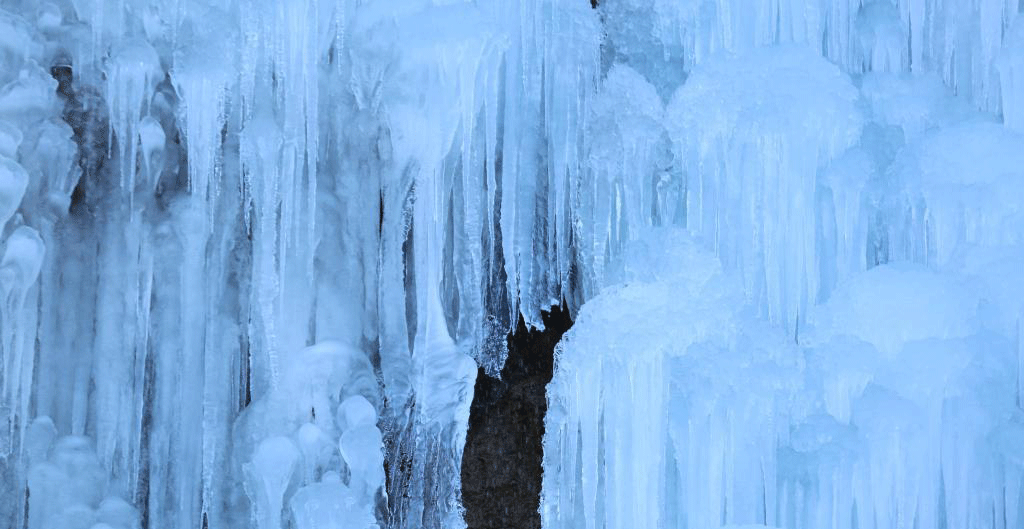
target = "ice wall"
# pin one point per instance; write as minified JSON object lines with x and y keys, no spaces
{"x":227,"y":219}
{"x":674,"y":405}
{"x":206,"y":201}
{"x":830,"y":334}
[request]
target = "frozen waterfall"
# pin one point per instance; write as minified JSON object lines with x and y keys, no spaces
{"x":255,"y":255}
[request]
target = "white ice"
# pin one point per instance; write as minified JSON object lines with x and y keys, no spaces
{"x":254,"y":255}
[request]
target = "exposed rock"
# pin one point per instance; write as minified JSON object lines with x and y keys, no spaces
{"x":501,"y":465}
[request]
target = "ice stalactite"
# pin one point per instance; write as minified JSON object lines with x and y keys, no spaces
{"x":903,"y":423}
{"x":1011,"y":70}
{"x":960,"y":41}
{"x":952,"y":200}
{"x":884,"y":232}
{"x":255,"y":252}
{"x":631,"y":185}
{"x":292,"y":446}
{"x":36,"y":179}
{"x":752,"y":166}
{"x":257,"y":179}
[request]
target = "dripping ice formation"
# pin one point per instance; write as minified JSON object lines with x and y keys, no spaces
{"x":254,"y":253}
{"x":828,"y":332}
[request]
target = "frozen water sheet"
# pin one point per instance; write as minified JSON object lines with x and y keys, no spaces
{"x":672,"y":405}
{"x":856,"y":358}
{"x":254,"y":253}
{"x":752,"y":157}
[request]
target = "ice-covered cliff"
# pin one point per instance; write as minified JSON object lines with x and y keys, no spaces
{"x":254,"y":252}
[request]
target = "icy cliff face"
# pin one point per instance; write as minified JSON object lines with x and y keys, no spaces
{"x":227,"y":220}
{"x":830,"y":335}
{"x":255,"y":251}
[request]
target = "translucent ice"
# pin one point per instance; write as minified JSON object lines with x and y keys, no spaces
{"x":268,"y":476}
{"x":68,"y":489}
{"x":752,"y":158}
{"x":255,"y":254}
{"x":13,"y":182}
{"x":964,"y":185}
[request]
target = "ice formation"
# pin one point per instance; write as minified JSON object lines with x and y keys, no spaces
{"x":254,"y":252}
{"x":852,"y":357}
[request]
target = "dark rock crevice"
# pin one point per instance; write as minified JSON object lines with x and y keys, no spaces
{"x":501,"y":464}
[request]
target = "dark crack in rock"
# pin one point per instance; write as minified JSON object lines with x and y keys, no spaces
{"x":501,"y":465}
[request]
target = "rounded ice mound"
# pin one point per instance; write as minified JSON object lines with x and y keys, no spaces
{"x":891,"y":305}
{"x":16,"y":41}
{"x":970,"y":178}
{"x":114,"y":512}
{"x":912,"y":103}
{"x":153,"y":139}
{"x":986,"y":270}
{"x":627,"y":104}
{"x":967,"y":157}
{"x":752,"y":132}
{"x":356,"y":411}
{"x":328,"y":371}
{"x":39,"y":438}
{"x":268,"y":476}
{"x":667,"y":356}
{"x":30,"y":97}
{"x":663,"y":272}
{"x":317,"y":450}
{"x":48,"y":17}
{"x":137,"y":56}
{"x":23,"y":257}
{"x":627,"y":153}
{"x":318,"y":417}
{"x":330,"y":503}
{"x":10,"y":139}
{"x":753,"y":95}
{"x":49,"y":153}
{"x":362,"y":449}
{"x":665,"y":254}
{"x":13,"y":183}
{"x":67,"y":490}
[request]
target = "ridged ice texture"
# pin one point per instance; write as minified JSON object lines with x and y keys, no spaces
{"x":674,"y":405}
{"x":962,"y":41}
{"x":207,"y":200}
{"x":270,"y":193}
{"x":853,"y":355}
{"x":751,"y":160}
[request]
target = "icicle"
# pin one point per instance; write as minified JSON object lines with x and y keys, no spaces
{"x":983,"y":157}
{"x":625,"y":134}
{"x":1020,"y":363}
{"x":959,"y":40}
{"x":22,"y":260}
{"x":132,"y":74}
{"x":752,"y":187}
{"x":13,"y":182}
{"x":606,"y":450}
{"x":268,"y":476}
{"x":1011,"y":76}
{"x":201,"y":78}
{"x":881,"y":37}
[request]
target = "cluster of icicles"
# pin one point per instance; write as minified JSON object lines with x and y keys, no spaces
{"x":250,"y":247}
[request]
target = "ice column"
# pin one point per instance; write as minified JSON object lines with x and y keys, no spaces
{"x":752,"y":161}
